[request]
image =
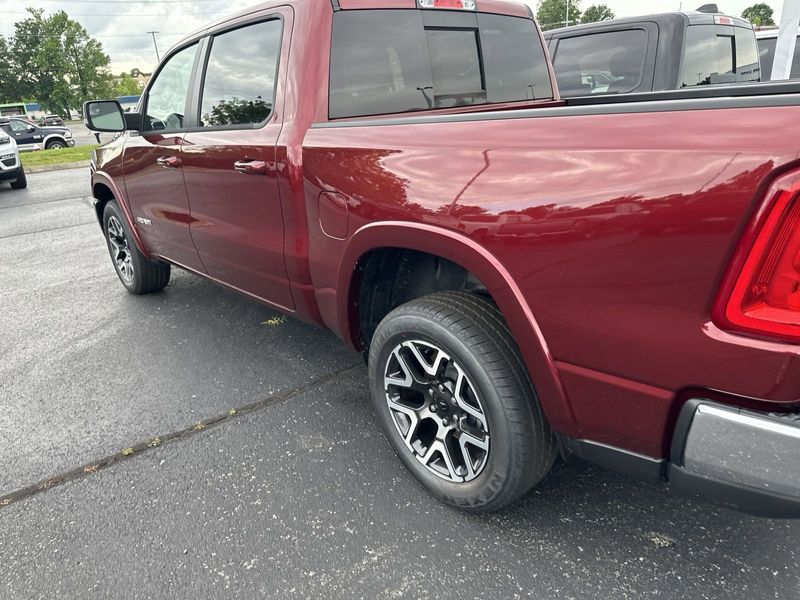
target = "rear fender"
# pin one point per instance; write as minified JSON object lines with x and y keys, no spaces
{"x":487,"y":268}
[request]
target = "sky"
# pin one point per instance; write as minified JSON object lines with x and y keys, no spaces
{"x":122,"y":26}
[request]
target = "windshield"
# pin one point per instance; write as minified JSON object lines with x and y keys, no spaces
{"x":718,"y":54}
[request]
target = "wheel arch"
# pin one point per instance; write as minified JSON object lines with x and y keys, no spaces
{"x":487,"y":269}
{"x":103,"y":191}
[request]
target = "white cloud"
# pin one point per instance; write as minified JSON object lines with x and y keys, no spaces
{"x":122,"y":27}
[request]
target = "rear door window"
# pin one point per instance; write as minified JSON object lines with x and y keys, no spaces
{"x":611,"y":62}
{"x":390,"y":61}
{"x":719,"y":54}
{"x":239,"y":84}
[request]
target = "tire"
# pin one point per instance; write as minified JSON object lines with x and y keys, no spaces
{"x":22,"y":180}
{"x":55,"y":145}
{"x":138,"y":274}
{"x":453,"y":351}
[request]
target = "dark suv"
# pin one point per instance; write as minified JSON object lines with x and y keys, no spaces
{"x":30,"y":136}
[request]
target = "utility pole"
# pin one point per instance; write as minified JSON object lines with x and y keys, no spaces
{"x":153,"y":33}
{"x":566,"y":17}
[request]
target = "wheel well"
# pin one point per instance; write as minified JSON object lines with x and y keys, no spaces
{"x":102,"y":194}
{"x":389,"y":277}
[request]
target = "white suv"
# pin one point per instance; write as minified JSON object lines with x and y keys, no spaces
{"x":11,"y":169}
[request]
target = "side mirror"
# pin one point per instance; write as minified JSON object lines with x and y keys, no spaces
{"x":31,"y":128}
{"x":104,"y":116}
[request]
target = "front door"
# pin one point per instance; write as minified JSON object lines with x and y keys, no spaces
{"x":26,"y":135}
{"x":152,"y":164}
{"x":229,"y":161}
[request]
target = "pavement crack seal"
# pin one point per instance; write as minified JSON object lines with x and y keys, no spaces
{"x":143,"y":448}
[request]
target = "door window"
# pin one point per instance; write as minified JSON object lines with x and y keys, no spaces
{"x":602,"y":63}
{"x":166,"y":100}
{"x":239,"y":86}
{"x":19,"y":127}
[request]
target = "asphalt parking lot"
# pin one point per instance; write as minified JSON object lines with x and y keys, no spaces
{"x":194,"y":444}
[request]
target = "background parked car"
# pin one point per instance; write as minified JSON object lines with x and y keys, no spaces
{"x":654,"y":53}
{"x":766,"y":50}
{"x":30,"y":136}
{"x":11,"y":169}
{"x":51,"y":121}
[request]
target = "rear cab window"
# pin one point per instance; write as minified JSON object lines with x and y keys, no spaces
{"x":393,"y":61}
{"x":609,"y":62}
{"x":716,"y":54}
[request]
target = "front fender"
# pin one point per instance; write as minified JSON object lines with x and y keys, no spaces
{"x":476,"y":259}
{"x":102,"y":178}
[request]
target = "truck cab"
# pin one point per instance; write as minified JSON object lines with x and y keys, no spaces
{"x":653,"y":53}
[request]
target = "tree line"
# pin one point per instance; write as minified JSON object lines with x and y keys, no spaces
{"x":53,"y":60}
{"x":553,"y":14}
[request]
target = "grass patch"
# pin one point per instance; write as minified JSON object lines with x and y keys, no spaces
{"x":57,"y":157}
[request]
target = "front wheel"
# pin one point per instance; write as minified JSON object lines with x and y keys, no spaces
{"x":22,"y":180}
{"x":138,"y":274}
{"x":455,"y":401}
{"x":55,"y":145}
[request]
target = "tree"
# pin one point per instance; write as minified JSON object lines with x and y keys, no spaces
{"x":553,"y":13}
{"x":237,"y":112}
{"x":63,"y":66}
{"x":127,"y":86}
{"x":9,"y":77}
{"x":596,"y":13}
{"x":759,"y":14}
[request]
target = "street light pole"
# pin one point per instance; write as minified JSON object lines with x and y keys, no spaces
{"x":566,"y":17}
{"x":153,"y":33}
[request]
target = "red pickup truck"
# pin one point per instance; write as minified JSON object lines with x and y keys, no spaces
{"x":616,"y":278}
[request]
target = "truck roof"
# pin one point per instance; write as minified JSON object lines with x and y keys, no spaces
{"x":686,"y":17}
{"x":501,"y":7}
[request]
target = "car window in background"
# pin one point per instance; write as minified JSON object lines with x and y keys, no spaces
{"x":18,"y":126}
{"x":766,"y":50}
{"x":601,"y":63}
{"x":717,"y":55}
{"x":239,"y":85}
{"x":166,"y":101}
{"x":387,"y":61}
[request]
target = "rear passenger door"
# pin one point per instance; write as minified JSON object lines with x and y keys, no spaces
{"x":229,"y":157}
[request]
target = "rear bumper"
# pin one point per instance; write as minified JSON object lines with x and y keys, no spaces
{"x":739,"y":458}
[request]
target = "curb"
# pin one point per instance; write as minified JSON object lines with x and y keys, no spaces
{"x":60,"y":167}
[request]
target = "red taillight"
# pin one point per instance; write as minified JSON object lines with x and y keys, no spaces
{"x":764,"y":297}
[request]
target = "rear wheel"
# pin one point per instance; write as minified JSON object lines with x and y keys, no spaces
{"x":454,"y":399}
{"x":138,"y":274}
{"x":22,"y":181}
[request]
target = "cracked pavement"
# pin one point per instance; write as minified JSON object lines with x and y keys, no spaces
{"x":296,"y":493}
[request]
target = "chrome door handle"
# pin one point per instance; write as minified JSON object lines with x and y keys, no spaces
{"x":251,"y":167}
{"x":169,"y":162}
